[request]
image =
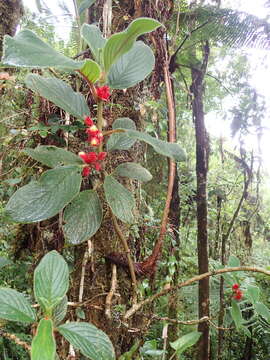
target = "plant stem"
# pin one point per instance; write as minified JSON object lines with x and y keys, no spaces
{"x":188,"y":282}
{"x":130,"y":262}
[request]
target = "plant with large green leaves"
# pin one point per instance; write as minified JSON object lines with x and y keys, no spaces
{"x":59,"y":187}
{"x":51,"y":283}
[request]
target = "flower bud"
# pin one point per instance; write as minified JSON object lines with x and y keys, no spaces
{"x":88,"y":121}
{"x":103,"y":92}
{"x":86,"y":171}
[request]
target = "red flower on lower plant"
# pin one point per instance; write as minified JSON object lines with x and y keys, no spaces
{"x":103,"y":92}
{"x":235,"y":286}
{"x":238,"y":295}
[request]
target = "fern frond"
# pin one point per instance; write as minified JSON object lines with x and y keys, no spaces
{"x":227,"y":27}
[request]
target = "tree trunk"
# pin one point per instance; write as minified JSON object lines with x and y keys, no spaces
{"x":201,"y":173}
{"x":10,"y":13}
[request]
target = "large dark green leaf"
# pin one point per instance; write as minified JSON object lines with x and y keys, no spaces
{"x":133,"y":171}
{"x":171,"y":150}
{"x":127,"y":72}
{"x":15,"y":307}
{"x":60,"y":93}
{"x":92,"y":342}
{"x":120,"y":200}
{"x":43,"y":345}
{"x":51,"y":280}
{"x":93,"y":36}
{"x":186,"y":341}
{"x":53,"y":156}
{"x":120,"y":43}
{"x":120,"y":141}
{"x":82,"y":217}
{"x":26,"y":49}
{"x":40,"y":200}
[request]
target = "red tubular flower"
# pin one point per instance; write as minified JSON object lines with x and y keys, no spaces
{"x":86,"y":171}
{"x":92,"y":130}
{"x":103,"y":92}
{"x":88,"y":158}
{"x":88,"y":121}
{"x":97,"y":166}
{"x":102,"y":155}
{"x":235,"y":287}
{"x":94,"y":141}
{"x":238,"y":295}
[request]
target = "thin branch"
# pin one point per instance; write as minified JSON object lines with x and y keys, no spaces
{"x":130,"y":261}
{"x":190,"y":322}
{"x":84,"y":262}
{"x":14,"y":338}
{"x":188,"y":282}
{"x":81,"y":54}
{"x":108,"y":302}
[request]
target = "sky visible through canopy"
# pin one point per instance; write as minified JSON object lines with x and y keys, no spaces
{"x":259,"y":61}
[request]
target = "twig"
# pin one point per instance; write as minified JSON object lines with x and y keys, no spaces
{"x":109,"y":297}
{"x":84,"y":262}
{"x":14,"y":338}
{"x":130,"y":262}
{"x":188,"y":282}
{"x":190,"y":322}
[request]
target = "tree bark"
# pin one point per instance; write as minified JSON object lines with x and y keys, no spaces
{"x":11,"y":12}
{"x":201,"y":173}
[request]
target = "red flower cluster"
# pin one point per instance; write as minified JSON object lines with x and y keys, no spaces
{"x":95,"y":136}
{"x":238,"y":294}
{"x":103,"y":92}
{"x":93,"y":161}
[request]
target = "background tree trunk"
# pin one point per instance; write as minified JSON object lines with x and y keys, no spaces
{"x":11,"y":12}
{"x":201,"y":173}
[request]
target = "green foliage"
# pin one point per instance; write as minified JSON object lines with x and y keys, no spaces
{"x":119,"y":141}
{"x":43,"y":344}
{"x":26,"y":49}
{"x":92,"y":342}
{"x":40,"y":200}
{"x":120,"y":199}
{"x":83,"y":217}
{"x":60,"y":93}
{"x":126,"y":72}
{"x":50,"y":288}
{"x":15,"y":307}
{"x":121,"y":43}
{"x":51,"y":281}
{"x":133,"y":171}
